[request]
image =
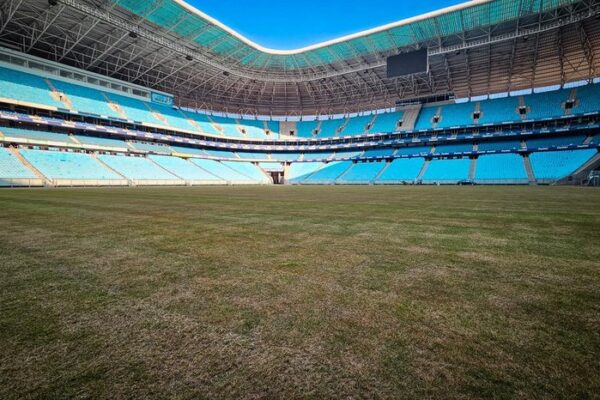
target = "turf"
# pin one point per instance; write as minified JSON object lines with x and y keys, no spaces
{"x":300,"y":292}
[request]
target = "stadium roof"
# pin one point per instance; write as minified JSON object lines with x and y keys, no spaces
{"x":475,"y":48}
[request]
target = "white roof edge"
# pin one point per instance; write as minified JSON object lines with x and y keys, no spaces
{"x":381,"y":28}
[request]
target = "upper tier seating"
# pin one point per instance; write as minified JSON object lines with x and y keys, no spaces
{"x":547,"y":104}
{"x":402,"y":170}
{"x":588,"y":99}
{"x":104,"y":142}
{"x":274,"y":128}
{"x":85,"y":99}
{"x":329,"y":172}
{"x":12,"y":168}
{"x":221,"y":154}
{"x":285,"y":156}
{"x":202,"y":123}
{"x":184,"y":169}
{"x":252,"y":156}
{"x":228,"y":125}
{"x":300,"y":171}
{"x":39,"y":136}
{"x":329,"y":128}
{"x":500,"y":168}
{"x":364,"y":172}
{"x":418,"y":150}
{"x":357,"y":125}
{"x":255,"y":129}
{"x":306,"y":128}
{"x":457,"y":115}
{"x":497,"y":146}
{"x":424,"y":121}
{"x":454,"y":148}
{"x":555,"y":141}
{"x":325,"y":155}
{"x":553,"y":165}
{"x":151,"y":147}
{"x":60,"y":165}
{"x":138,"y":169}
{"x":26,"y":87}
{"x":499,"y":110}
{"x":379,"y":152}
{"x":344,"y":155}
{"x":447,"y":171}
{"x":189,"y":150}
{"x":387,"y":122}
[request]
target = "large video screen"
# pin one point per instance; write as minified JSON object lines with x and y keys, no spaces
{"x":407,"y":63}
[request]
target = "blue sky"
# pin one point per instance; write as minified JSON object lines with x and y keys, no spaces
{"x":290,"y":24}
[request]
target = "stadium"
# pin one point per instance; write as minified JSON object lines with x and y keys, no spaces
{"x":407,"y":211}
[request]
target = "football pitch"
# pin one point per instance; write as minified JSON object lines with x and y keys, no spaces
{"x":300,"y":292}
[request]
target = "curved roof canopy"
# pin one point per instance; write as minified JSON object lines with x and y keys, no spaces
{"x":475,"y":48}
{"x":193,"y":25}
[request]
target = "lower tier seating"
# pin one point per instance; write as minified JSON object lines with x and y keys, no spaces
{"x":139,"y":170}
{"x":555,"y":165}
{"x":60,"y":166}
{"x":12,"y":171}
{"x":362,"y":173}
{"x":328,"y":173}
{"x":402,"y":170}
{"x":500,"y":168}
{"x":447,"y":171}
{"x":186,"y":170}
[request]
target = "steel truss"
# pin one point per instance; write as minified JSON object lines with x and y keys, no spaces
{"x":537,"y":50}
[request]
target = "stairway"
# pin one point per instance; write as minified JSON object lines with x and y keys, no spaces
{"x":59,"y":96}
{"x":472,"y":169}
{"x":28,"y":165}
{"x":409,"y":120}
{"x":522,"y":104}
{"x":529,"y":170}
{"x":423,"y":170}
{"x":114,"y":106}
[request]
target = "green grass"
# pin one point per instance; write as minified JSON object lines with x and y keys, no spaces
{"x":300,"y":292}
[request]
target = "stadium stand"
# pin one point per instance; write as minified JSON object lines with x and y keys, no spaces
{"x":362,"y":173}
{"x":253,"y":172}
{"x":554,"y":165}
{"x":69,"y":168}
{"x":140,"y":170}
{"x":151,"y":147}
{"x":387,"y":122}
{"x":401,"y":170}
{"x":230,"y":175}
{"x":547,"y":104}
{"x":102,"y":142}
{"x":454,"y":148}
{"x":329,"y":173}
{"x":449,"y":171}
{"x":186,"y":170}
{"x":555,"y":142}
{"x":37,"y":136}
{"x":500,"y":169}
{"x":298,"y":172}
{"x":379,"y":153}
{"x":306,"y":129}
{"x":13,"y":172}
{"x":440,"y":129}
{"x":358,"y":125}
{"x":28,"y":88}
{"x":499,"y":110}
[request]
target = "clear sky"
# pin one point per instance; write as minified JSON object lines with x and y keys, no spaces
{"x":290,"y":24}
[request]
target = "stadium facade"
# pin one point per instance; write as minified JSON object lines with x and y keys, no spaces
{"x":132,"y":92}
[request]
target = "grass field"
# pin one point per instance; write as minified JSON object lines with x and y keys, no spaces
{"x":300,"y":292}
